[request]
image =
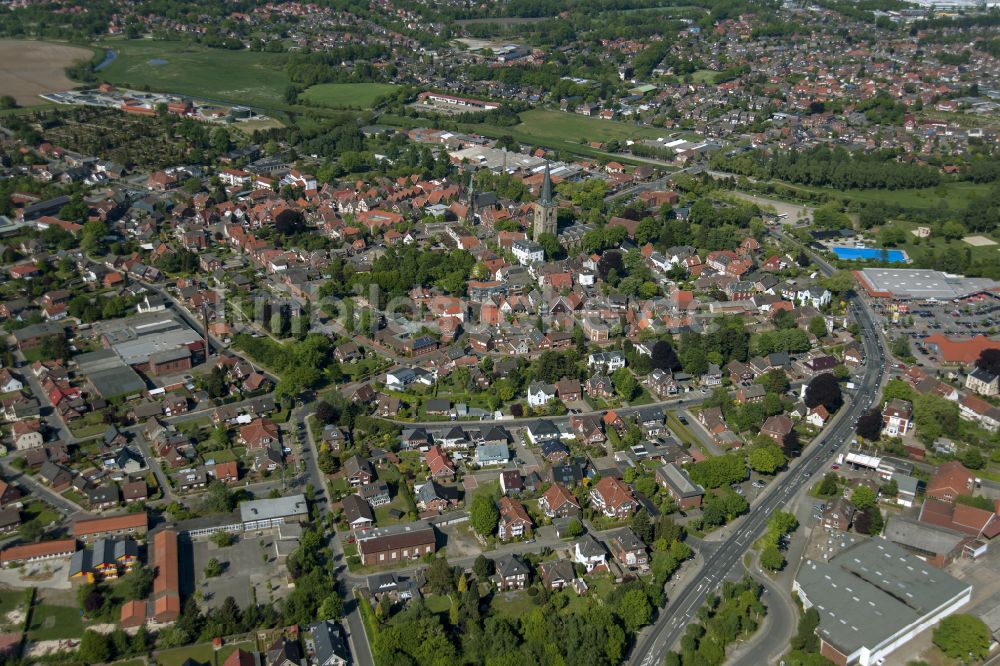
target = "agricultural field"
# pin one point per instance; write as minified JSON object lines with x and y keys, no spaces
{"x":28,"y":68}
{"x":346,"y":95}
{"x":238,"y":77}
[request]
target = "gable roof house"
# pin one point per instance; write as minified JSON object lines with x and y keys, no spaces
{"x":514,"y":520}
{"x":558,"y":501}
{"x":613,"y":498}
{"x":951,"y":480}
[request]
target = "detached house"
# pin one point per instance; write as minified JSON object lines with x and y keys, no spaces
{"x":540,"y":393}
{"x":358,"y":471}
{"x":896,"y":417}
{"x":628,"y":549}
{"x":514,"y":520}
{"x":613,"y":498}
{"x":511,"y":573}
{"x":558,"y":501}
{"x":260,"y":433}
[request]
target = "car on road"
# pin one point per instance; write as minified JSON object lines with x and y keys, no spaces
{"x":682,"y":419}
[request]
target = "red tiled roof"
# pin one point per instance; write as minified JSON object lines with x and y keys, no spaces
{"x":961,"y":351}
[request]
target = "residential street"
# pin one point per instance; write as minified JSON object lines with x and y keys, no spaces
{"x":654,"y":642}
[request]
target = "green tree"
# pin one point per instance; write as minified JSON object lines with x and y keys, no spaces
{"x":817,"y":326}
{"x":136,"y":585}
{"x":625,"y":384}
{"x":863,"y":498}
{"x":805,"y":638}
{"x":223,"y":539}
{"x":213,"y":568}
{"x":771,"y":558}
{"x":484,"y":515}
{"x":483,"y":567}
{"x":766,"y":459}
{"x":962,"y":637}
{"x":94,"y":648}
{"x":92,"y":237}
{"x":634,"y":610}
{"x":574,"y":528}
{"x":828,"y":487}
{"x":440,"y":576}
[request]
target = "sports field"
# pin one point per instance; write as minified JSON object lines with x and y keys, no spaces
{"x":346,"y":95}
{"x":28,"y":68}
{"x":239,"y":77}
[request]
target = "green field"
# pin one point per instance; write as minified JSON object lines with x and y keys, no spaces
{"x":240,"y":77}
{"x":50,"y":622}
{"x":346,"y":95}
{"x":951,"y":194}
{"x":914,"y":245}
{"x":570,"y":132}
{"x":547,"y":124}
{"x":704,"y":76}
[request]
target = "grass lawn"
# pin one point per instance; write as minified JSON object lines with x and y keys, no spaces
{"x":75,"y":497}
{"x":915,"y":246}
{"x":704,"y":76}
{"x":202,"y":653}
{"x":222,"y":455}
{"x":570,"y":132}
{"x":90,"y":425}
{"x":512,"y":604}
{"x":10,"y":600}
{"x":347,"y":95}
{"x":953,"y":195}
{"x":38,"y":511}
{"x":239,"y":77}
{"x":644,"y":398}
{"x":437,"y":604}
{"x":50,"y":622}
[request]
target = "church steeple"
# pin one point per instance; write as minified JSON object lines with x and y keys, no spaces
{"x":545,"y":209}
{"x":546,"y":197}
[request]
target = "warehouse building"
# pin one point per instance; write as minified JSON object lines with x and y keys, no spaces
{"x":914,"y":284}
{"x":158,"y":343}
{"x":873,"y":598}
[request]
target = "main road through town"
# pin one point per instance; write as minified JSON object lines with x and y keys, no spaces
{"x":654,"y":643}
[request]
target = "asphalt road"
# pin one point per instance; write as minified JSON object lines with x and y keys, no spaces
{"x":654,"y":643}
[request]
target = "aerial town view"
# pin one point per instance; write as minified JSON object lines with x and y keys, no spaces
{"x":502,"y":333}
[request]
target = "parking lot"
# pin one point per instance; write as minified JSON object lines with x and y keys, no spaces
{"x":246,"y":572}
{"x":978,"y":316}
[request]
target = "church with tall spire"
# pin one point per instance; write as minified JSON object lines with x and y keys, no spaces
{"x":545,"y":209}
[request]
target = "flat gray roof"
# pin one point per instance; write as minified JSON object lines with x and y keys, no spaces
{"x":872,"y":591}
{"x":116,"y":381}
{"x":920,"y":284}
{"x":137,"y":337}
{"x":925,"y":537}
{"x":279,"y":507}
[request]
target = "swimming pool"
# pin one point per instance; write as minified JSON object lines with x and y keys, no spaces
{"x":855,"y":253}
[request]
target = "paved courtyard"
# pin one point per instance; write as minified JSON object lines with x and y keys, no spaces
{"x":246,"y":574}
